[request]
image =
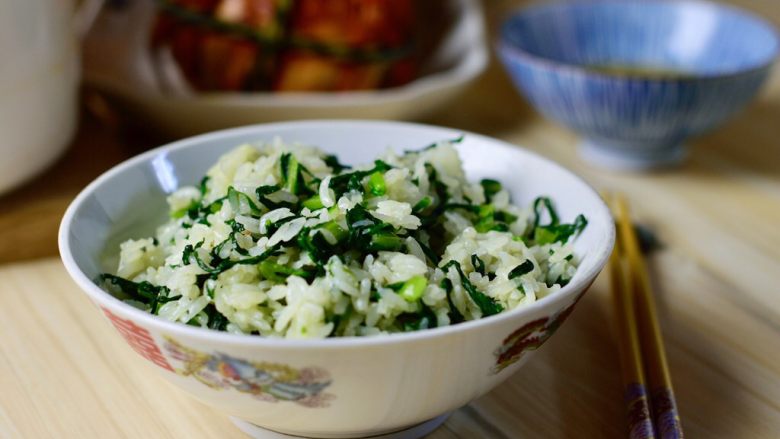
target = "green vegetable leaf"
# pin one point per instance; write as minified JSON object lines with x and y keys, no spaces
{"x":455,"y":315}
{"x":190,"y":252}
{"x":485,"y":303}
{"x":478,"y":264}
{"x":424,"y":319}
{"x":435,"y":144}
{"x":369,"y":234}
{"x":216,"y":320}
{"x":353,"y":181}
{"x":559,"y":232}
{"x":263,"y":192}
{"x":234,"y":198}
{"x":204,"y":187}
{"x":429,"y":253}
{"x":144,"y":292}
{"x":490,"y":188}
{"x":526,"y":267}
{"x":333,"y":163}
{"x":278,"y":273}
{"x":541,"y":204}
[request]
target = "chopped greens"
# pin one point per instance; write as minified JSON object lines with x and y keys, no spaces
{"x":490,"y":188}
{"x":478,"y":264}
{"x":144,"y":292}
{"x":364,"y":255}
{"x":376,"y":184}
{"x":455,"y":140}
{"x":333,"y":163}
{"x":368,"y":234}
{"x":526,"y":267}
{"x":553,"y":231}
{"x":413,"y":289}
{"x":487,"y":305}
{"x":342,"y":183}
{"x":235,"y":197}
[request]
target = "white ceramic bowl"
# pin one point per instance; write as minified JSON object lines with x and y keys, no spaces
{"x":39,"y":78}
{"x":356,"y":386}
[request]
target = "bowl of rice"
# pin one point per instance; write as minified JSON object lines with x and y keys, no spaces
{"x":336,"y":278}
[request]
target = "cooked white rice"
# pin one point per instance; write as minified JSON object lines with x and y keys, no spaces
{"x":390,"y":287}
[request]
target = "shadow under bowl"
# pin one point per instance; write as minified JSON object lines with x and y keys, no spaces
{"x":636,"y":79}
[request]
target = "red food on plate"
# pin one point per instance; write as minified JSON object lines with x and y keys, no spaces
{"x":288,"y":45}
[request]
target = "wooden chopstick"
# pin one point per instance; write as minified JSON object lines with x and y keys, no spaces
{"x":664,"y":407}
{"x":637,"y":317}
{"x":639,"y":422}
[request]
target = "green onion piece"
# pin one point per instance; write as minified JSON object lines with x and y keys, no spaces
{"x":544,"y":235}
{"x":385,"y":242}
{"x":486,"y":221}
{"x":336,"y":230}
{"x":422,"y":205}
{"x":526,"y":267}
{"x":215,"y":206}
{"x":290,"y":173}
{"x":176,"y":214}
{"x":277,"y":272}
{"x":376,"y":184}
{"x":352,"y":181}
{"x":313,"y":203}
{"x":413,"y":289}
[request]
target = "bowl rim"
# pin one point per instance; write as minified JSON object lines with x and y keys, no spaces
{"x":601,"y":251}
{"x":506,"y":47}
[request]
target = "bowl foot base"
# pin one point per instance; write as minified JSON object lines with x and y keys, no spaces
{"x":413,"y":432}
{"x":627,"y":158}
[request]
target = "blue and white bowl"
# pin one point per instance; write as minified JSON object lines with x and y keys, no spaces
{"x":637,"y":120}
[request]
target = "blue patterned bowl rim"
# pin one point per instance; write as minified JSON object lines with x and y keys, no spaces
{"x":508,"y":48}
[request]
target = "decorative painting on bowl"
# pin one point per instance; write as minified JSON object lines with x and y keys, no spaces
{"x":527,"y":338}
{"x":272,"y":382}
{"x":266,"y":381}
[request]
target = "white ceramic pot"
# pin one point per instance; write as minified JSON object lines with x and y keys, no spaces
{"x":341,"y":387}
{"x":39,"y":76}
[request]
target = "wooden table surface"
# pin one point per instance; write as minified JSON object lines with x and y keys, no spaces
{"x":64,"y":373}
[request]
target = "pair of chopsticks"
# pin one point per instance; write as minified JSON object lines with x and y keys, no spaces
{"x":650,"y":414}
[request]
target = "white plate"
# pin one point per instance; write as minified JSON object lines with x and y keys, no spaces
{"x":116,"y":61}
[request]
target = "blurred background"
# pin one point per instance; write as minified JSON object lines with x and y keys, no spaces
{"x":96,"y":82}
